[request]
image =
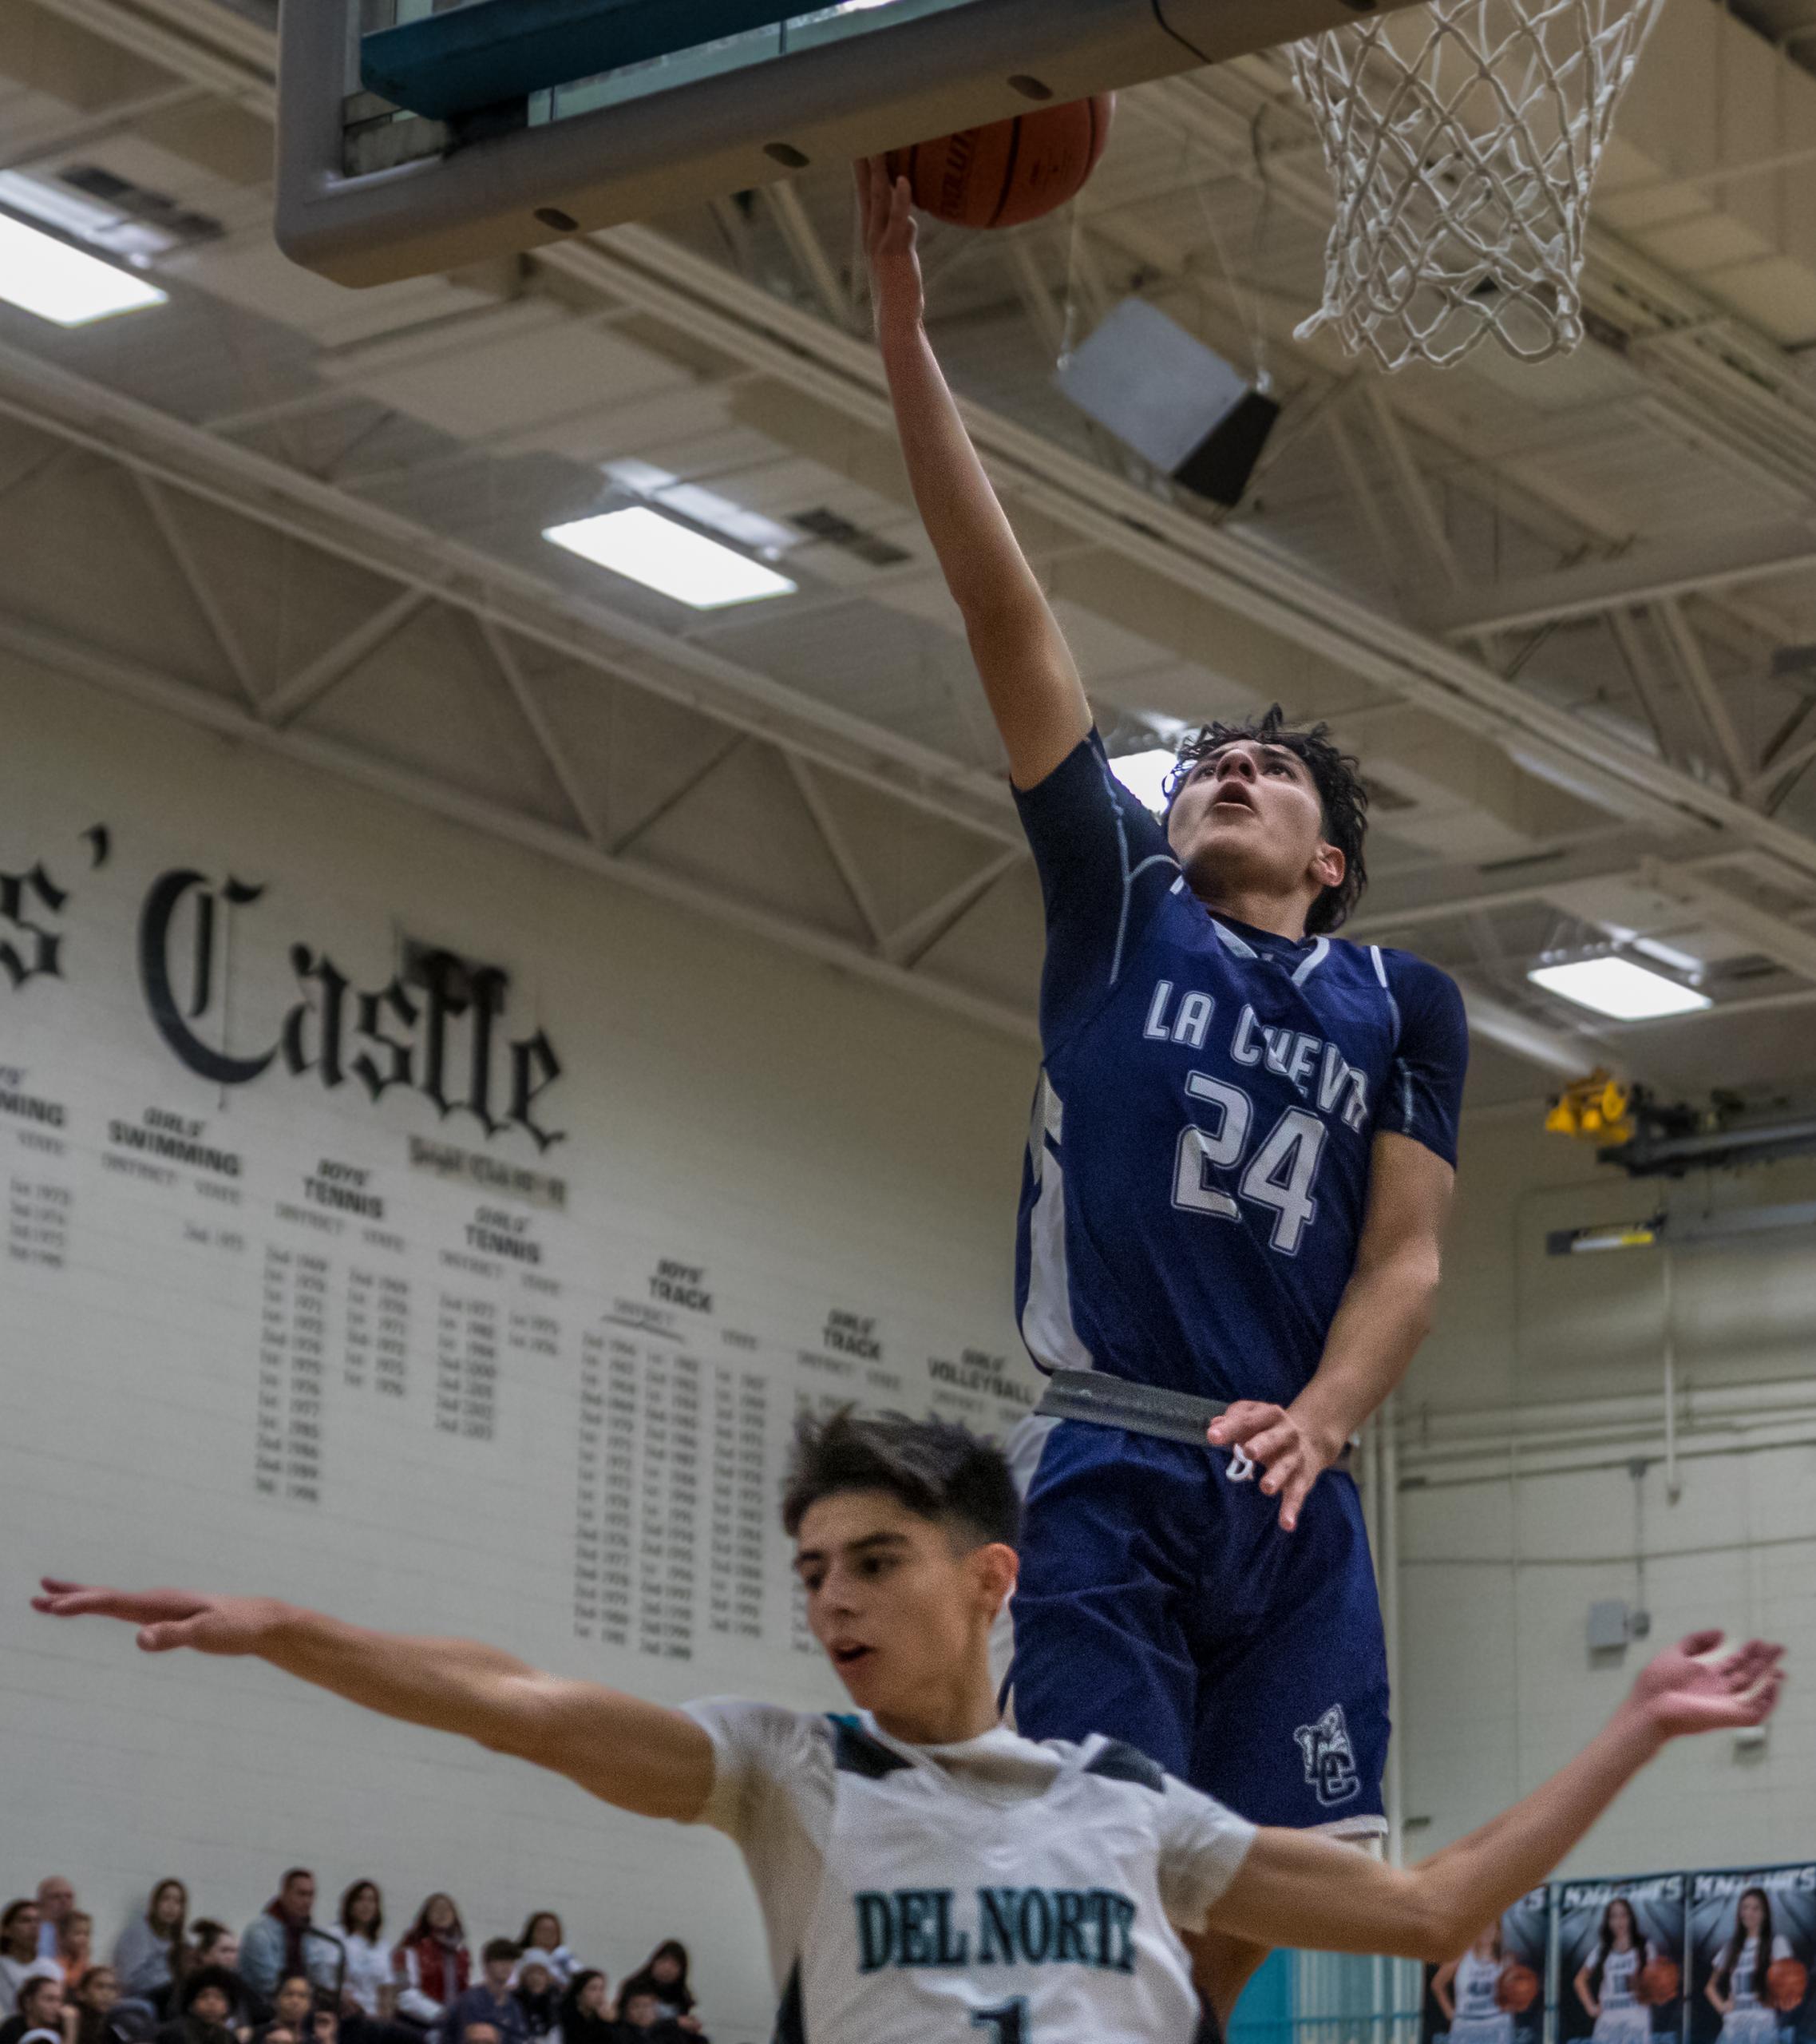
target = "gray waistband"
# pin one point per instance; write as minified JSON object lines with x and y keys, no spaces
{"x":1103,"y":1400}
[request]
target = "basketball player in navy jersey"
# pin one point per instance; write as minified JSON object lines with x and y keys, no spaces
{"x":1239,"y":1171}
{"x":928,"y":1876}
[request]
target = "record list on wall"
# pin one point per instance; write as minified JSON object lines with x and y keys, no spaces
{"x":347,"y":1225}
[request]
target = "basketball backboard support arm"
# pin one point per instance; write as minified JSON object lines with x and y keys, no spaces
{"x":367,"y":194}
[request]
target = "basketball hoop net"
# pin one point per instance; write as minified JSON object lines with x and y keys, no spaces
{"x":1463,"y":138}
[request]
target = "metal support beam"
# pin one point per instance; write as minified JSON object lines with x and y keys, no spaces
{"x":908,"y":945}
{"x":58,"y":654}
{"x":671,"y":802}
{"x":301,"y":693}
{"x":1642,"y":575}
{"x":1415,"y":493}
{"x":836,"y":849}
{"x":1730,"y":756}
{"x":1647,"y":688}
{"x":1551,"y":1050}
{"x":810,"y":252}
{"x":511,"y":670}
{"x":106,"y":422}
{"x":1792,"y":947}
{"x":176,"y":545}
{"x":96,"y":124}
{"x":702,"y":298}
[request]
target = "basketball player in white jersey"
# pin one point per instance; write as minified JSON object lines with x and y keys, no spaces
{"x":1468,"y":1991}
{"x":1607,"y":1985}
{"x":1737,"y":1985}
{"x":926,"y":1875}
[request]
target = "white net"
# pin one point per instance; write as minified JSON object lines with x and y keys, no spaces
{"x":1463,"y":138}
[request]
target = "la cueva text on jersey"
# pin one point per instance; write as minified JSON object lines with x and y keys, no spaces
{"x":1316,"y":1069}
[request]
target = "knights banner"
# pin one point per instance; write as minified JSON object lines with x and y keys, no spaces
{"x":1620,"y":1960}
{"x":1494,"y":1992}
{"x":1752,"y":1942}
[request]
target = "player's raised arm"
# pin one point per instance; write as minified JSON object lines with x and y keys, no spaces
{"x":636,"y":1755}
{"x":1028,"y":672}
{"x":1295,"y":1888}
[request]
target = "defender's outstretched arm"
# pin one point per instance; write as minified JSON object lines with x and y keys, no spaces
{"x":1298,"y":1889}
{"x":639,"y":1756}
{"x":1028,"y":670}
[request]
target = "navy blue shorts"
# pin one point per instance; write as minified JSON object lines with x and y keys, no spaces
{"x":1161,"y":1603}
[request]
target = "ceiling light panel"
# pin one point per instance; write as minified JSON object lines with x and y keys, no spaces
{"x":1618,"y":989}
{"x":672,"y":558}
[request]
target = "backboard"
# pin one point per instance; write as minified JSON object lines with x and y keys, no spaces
{"x":416,"y":136}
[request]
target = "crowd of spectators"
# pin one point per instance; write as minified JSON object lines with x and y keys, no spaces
{"x":286,"y":1979}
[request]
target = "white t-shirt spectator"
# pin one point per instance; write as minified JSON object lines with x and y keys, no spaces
{"x":368,"y":1969}
{"x":13,"y":1975}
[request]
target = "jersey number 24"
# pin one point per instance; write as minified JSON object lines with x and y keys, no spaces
{"x":1279,"y":1175}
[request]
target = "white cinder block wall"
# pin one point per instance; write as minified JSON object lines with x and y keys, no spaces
{"x":1501,"y":1558}
{"x":816,"y":1143}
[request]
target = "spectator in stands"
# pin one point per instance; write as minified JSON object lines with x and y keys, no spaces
{"x":206,"y":2001}
{"x":543,"y":1933}
{"x":586,"y":2010}
{"x":56,"y":1899}
{"x":369,"y":1984}
{"x":538,"y":1997}
{"x":433,"y":1965}
{"x":490,"y":2001}
{"x":39,"y":1996}
{"x":216,"y":1945}
{"x":74,"y":1951}
{"x":641,"y":2021}
{"x":293,"y":2010}
{"x":19,"y":1951}
{"x":664,"y":1975}
{"x":102,"y":2017}
{"x":284,"y":1940}
{"x":150,"y":1953}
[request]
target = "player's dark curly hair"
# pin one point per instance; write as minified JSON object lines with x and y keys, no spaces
{"x":1338,"y":778}
{"x":940,"y":1470}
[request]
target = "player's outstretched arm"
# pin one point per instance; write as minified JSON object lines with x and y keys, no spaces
{"x":1298,"y":1889}
{"x":1028,"y":670}
{"x":637,"y":1755}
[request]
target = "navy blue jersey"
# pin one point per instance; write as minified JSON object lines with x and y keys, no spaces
{"x":1198,"y":1166}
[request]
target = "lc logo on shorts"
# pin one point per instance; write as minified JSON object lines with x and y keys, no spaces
{"x":1329,"y":1757}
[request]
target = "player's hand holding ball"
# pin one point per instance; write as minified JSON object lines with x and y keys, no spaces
{"x":890,"y":248}
{"x":1292,"y":1453}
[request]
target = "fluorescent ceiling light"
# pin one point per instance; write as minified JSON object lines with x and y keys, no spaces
{"x":41,"y":274}
{"x":645,"y":547}
{"x":102,"y":226}
{"x":1144,"y":774}
{"x":704,"y":507}
{"x":1617,"y":987}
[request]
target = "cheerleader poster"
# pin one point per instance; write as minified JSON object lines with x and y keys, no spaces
{"x":1620,"y":1960}
{"x":1752,"y":1938}
{"x":1494,"y":1992}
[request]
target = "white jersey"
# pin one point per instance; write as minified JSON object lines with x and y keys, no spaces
{"x":1619,"y":1978}
{"x":995,"y":1892}
{"x":1478,"y":1988}
{"x":1744,"y":1983}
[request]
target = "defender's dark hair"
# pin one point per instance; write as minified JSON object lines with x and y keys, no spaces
{"x":1341,"y":789}
{"x":939,"y":1471}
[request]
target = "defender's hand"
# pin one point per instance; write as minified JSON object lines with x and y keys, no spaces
{"x":1291,"y":1453}
{"x":1692,"y":1687}
{"x":167,"y":1618}
{"x":890,"y":237}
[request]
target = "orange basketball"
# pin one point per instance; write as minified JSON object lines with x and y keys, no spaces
{"x":1659,"y":1982}
{"x":1518,"y":1988}
{"x":1787,"y":1982}
{"x":1011,"y":172}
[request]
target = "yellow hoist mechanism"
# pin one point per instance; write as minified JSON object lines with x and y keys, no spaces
{"x":1597,"y":1109}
